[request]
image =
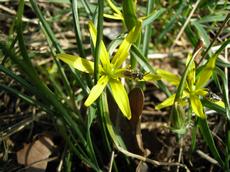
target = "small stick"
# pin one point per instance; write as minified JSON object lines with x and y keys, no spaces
{"x":180,"y":155}
{"x":153,"y":162}
{"x":12,"y":12}
{"x":186,"y":23}
{"x":111,"y":162}
{"x":207,"y":157}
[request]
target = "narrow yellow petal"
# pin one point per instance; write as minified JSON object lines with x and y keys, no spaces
{"x":114,"y":7}
{"x":202,"y":92}
{"x":168,"y":102}
{"x":123,"y":51}
{"x":205,"y":73}
{"x":96,"y":91}
{"x":114,"y":17}
{"x":169,"y":77}
{"x":151,"y":77}
{"x":104,"y":56}
{"x":197,"y":107}
{"x":191,"y":77}
{"x":77,"y":62}
{"x":121,"y":97}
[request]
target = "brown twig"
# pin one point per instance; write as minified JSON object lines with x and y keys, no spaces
{"x":153,"y":162}
{"x":207,"y":157}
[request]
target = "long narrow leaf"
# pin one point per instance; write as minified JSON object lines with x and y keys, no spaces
{"x":26,"y":98}
{"x":148,"y":30}
{"x":76,"y":21}
{"x":206,"y":133}
{"x":153,"y":16}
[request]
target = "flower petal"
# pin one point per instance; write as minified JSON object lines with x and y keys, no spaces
{"x":201,"y":91}
{"x":123,"y":51}
{"x":104,"y":56}
{"x":77,"y":62}
{"x":169,"y":77}
{"x":114,"y":16}
{"x":197,"y":107}
{"x":205,"y":73}
{"x":96,"y":91}
{"x":121,"y":97}
{"x":191,"y":77}
{"x":168,"y":102}
{"x":151,"y":77}
{"x":114,"y":7}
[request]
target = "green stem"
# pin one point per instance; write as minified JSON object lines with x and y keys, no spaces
{"x":77,"y":28}
{"x":148,"y":30}
{"x":99,"y":39}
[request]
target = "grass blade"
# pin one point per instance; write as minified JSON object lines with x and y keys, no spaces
{"x":78,"y":34}
{"x":206,"y":133}
{"x":152,"y":16}
{"x":148,"y":31}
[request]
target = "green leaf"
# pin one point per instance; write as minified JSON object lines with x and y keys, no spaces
{"x":59,"y":1}
{"x":46,"y":26}
{"x":197,"y":107}
{"x":147,"y":29}
{"x":206,"y":133}
{"x":153,"y":16}
{"x":173,"y":20}
{"x":75,"y":6}
{"x":121,"y":97}
{"x":202,"y":32}
{"x":117,"y":139}
{"x":26,"y":98}
{"x":225,"y":89}
{"x":222,"y":63}
{"x":96,"y":91}
{"x":129,"y":13}
{"x":217,"y":17}
{"x":20,"y":80}
{"x":77,"y":62}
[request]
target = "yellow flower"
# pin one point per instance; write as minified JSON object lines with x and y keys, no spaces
{"x":110,"y":71}
{"x":117,"y":15}
{"x":194,"y":86}
{"x":128,"y":15}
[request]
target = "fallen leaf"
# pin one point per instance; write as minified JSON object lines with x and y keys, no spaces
{"x":35,"y":154}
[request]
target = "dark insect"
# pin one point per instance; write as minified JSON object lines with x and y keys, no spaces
{"x":134,"y":74}
{"x":213,"y":96}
